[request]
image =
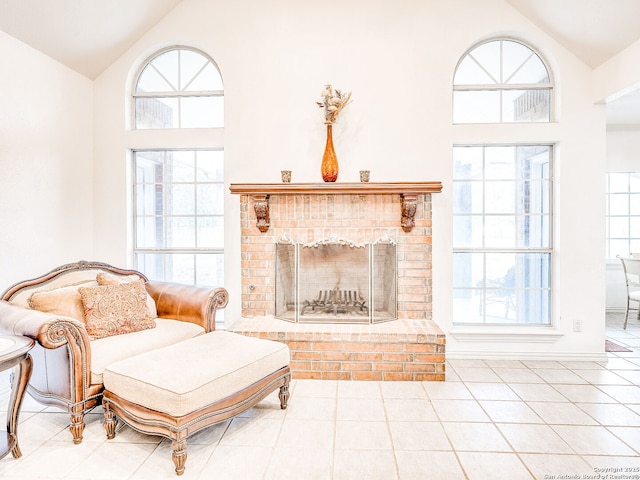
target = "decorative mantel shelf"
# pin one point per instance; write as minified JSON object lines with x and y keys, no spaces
{"x":408,"y":192}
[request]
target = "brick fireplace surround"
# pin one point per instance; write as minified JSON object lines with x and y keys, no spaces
{"x":409,"y":348}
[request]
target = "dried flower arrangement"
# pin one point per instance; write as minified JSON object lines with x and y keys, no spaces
{"x":333,"y":101}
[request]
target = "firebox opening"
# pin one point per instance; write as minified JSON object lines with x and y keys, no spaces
{"x":336,"y":281}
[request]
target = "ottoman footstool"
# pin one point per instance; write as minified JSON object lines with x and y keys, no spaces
{"x":180,"y":389}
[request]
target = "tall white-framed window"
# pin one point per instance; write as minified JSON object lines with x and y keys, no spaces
{"x":178,"y":191}
{"x":502,"y":234}
{"x":502,"y":81}
{"x":623,"y":214}
{"x":179,"y":215}
{"x":502,"y":213}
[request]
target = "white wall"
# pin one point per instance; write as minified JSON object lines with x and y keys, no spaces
{"x":398,"y":59}
{"x":46,"y":195}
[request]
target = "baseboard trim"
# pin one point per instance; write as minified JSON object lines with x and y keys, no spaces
{"x":550,"y":356}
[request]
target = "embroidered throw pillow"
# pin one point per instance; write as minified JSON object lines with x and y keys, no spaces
{"x":116,"y":309}
{"x":104,"y":278}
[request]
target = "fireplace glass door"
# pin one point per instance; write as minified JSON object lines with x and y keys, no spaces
{"x":336,"y":281}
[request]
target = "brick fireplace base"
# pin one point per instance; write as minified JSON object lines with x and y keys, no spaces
{"x":397,"y":350}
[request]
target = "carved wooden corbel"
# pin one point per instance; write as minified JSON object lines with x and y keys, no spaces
{"x":409,"y":205}
{"x":261,"y":207}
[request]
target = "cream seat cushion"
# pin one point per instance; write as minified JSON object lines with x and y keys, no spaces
{"x":105,"y":351}
{"x":184,"y":377}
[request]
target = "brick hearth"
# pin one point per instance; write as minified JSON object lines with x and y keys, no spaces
{"x":410,"y":348}
{"x":398,"y":350}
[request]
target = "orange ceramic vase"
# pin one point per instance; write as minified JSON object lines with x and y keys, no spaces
{"x":329,"y":167}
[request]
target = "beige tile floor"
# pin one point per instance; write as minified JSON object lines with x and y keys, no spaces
{"x":490,"y":420}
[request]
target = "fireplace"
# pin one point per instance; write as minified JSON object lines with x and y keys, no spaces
{"x":336,"y":280}
{"x":366,"y":313}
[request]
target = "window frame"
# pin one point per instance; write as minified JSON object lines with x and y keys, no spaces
{"x":171,"y":94}
{"x":484,"y":250}
{"x":193,"y":250}
{"x":608,"y":216}
{"x":550,"y":86}
{"x":172,"y":139}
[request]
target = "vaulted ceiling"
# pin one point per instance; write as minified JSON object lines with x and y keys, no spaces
{"x":89,"y":35}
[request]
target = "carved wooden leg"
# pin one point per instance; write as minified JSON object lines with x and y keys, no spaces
{"x":17,"y":394}
{"x":77,"y":426}
{"x":179,"y":455}
{"x":109,"y":422}
{"x":284,"y":393}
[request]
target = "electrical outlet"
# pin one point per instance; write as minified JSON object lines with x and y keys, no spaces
{"x":577,"y":325}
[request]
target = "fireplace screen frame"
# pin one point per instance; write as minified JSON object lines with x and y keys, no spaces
{"x":377,"y":302}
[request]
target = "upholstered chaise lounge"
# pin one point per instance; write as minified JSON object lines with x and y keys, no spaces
{"x":69,"y":359}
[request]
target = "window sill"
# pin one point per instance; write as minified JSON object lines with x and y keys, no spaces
{"x":498,"y":334}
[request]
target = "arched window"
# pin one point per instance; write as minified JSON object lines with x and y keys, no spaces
{"x":178,"y":189}
{"x":501,"y":81}
{"x":502,"y":206}
{"x":179,"y":88}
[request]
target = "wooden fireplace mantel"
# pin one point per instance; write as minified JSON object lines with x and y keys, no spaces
{"x":408,"y":192}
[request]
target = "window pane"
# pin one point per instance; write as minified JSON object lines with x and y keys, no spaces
{"x":534,"y":162}
{"x":499,"y":197}
{"x":202,"y":112}
{"x":167,"y":65}
{"x":210,"y":270}
{"x":522,"y":65}
{"x":488,"y":55}
{"x":210,"y":199}
{"x":618,"y":204}
{"x":534,"y":231}
{"x":467,"y":231}
{"x":533,"y":71}
{"x":180,"y":166}
{"x":468,"y":163}
{"x":619,"y":227}
{"x":618,"y":182}
{"x":156,"y":112}
{"x":180,"y":232}
{"x":500,"y":231}
{"x":210,"y":166}
{"x":145,"y":199}
{"x":525,"y":105}
{"x":500,"y":163}
{"x":468,"y":306}
{"x":151,"y":81}
{"x":470,"y":73}
{"x":533,"y":197}
{"x":467,"y":197}
{"x":476,"y":106}
{"x":149,"y":232}
{"x":468,"y":270}
{"x":191,"y":63}
{"x":180,"y":200}
{"x":210,"y":232}
{"x":208,"y":79}
{"x":634,"y":204}
{"x":619,"y":247}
